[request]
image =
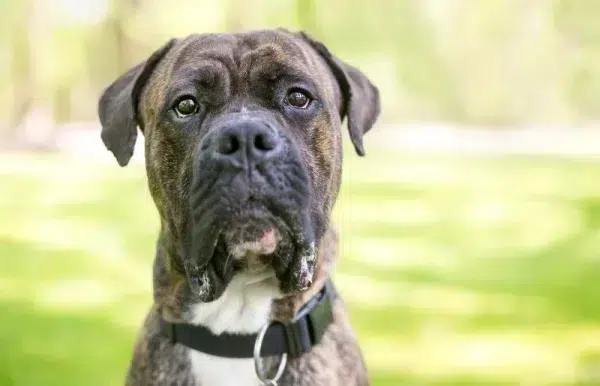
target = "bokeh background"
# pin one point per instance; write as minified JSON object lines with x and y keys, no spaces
{"x":470,"y":232}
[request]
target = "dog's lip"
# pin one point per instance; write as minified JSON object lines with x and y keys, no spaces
{"x":255,"y":215}
{"x":264,"y":244}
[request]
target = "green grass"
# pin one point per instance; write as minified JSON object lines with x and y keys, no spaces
{"x":457,"y":270}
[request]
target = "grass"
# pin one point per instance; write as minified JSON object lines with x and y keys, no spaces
{"x":457,"y":270}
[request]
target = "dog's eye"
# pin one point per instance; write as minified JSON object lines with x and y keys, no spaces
{"x":187,"y":107}
{"x":298,"y":98}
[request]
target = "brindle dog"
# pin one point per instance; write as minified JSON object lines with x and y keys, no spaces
{"x":243,"y":158}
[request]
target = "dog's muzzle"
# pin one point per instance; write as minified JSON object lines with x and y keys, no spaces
{"x":249,"y":204}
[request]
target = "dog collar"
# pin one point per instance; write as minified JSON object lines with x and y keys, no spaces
{"x":291,"y":339}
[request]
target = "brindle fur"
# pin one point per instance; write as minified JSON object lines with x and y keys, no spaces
{"x":235,"y":59}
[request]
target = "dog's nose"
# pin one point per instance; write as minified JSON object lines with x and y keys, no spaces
{"x":251,"y":141}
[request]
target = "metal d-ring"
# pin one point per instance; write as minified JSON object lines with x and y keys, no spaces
{"x":260,"y":372}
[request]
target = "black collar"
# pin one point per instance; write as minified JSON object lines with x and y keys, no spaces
{"x":294,"y":338}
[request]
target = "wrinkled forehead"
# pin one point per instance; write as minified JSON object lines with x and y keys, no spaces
{"x":251,"y":56}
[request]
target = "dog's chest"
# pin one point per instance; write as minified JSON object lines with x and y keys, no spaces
{"x":209,"y":370}
{"x":243,"y":308}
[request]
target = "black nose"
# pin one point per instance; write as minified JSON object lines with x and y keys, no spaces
{"x":243,"y":143}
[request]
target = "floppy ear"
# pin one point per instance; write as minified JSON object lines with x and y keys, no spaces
{"x":360,"y":98}
{"x":117,"y":108}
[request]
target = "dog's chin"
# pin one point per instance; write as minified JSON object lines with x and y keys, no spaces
{"x":264,"y":250}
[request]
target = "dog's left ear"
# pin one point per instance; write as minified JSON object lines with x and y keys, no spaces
{"x":360,"y":98}
{"x":118,"y":106}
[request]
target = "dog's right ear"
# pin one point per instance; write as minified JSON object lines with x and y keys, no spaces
{"x":360,"y":103}
{"x":118,"y":106}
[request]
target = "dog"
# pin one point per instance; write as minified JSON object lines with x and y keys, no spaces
{"x":243,"y":156}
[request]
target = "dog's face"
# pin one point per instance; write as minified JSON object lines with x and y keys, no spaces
{"x":243,"y":149}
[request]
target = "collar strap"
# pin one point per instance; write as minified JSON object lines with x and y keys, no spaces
{"x":293,"y":338}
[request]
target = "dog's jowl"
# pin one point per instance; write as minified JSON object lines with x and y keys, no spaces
{"x":243,"y":158}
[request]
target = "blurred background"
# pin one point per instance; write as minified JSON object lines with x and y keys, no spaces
{"x":470,"y":232}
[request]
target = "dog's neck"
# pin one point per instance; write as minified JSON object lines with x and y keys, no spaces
{"x":246,"y":304}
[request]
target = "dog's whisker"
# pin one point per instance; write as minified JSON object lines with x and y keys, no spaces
{"x":227,"y":260}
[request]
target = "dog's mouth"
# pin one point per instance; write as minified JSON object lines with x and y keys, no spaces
{"x":272,"y":248}
{"x":254,"y":238}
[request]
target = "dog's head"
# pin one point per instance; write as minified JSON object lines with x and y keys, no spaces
{"x":243,"y":149}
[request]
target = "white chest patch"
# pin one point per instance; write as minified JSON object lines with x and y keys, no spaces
{"x":244,"y":307}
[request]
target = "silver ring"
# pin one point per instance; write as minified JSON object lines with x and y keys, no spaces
{"x":260,"y":371}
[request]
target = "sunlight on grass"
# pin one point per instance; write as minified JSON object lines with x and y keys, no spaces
{"x":77,"y":293}
{"x":410,"y":253}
